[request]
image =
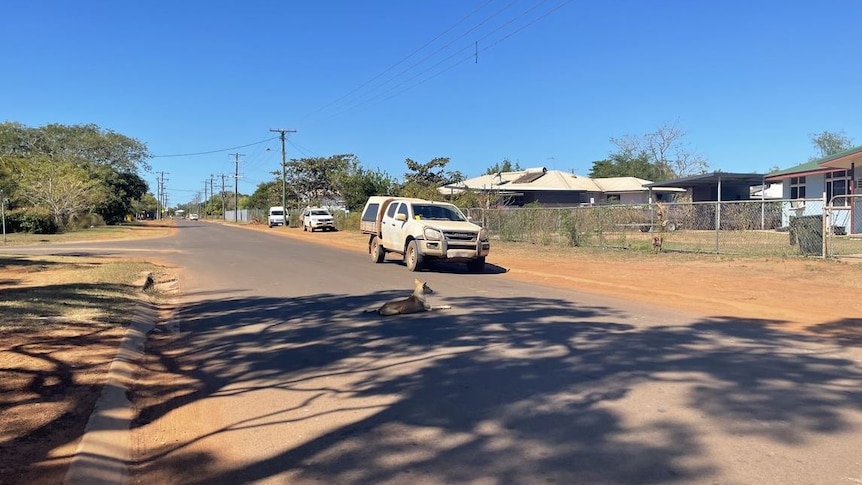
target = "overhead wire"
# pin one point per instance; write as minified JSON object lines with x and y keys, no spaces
{"x":391,"y":93}
{"x":366,"y":97}
{"x":401,"y":61}
{"x":443,"y":47}
{"x":213,"y":151}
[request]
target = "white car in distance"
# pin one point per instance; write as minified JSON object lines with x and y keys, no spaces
{"x":314,"y":218}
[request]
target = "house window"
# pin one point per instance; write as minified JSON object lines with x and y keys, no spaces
{"x":613,"y":199}
{"x":797,"y":187}
{"x":837,"y":184}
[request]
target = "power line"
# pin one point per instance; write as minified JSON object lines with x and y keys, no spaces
{"x":405,"y":85}
{"x":213,"y":151}
{"x":474,"y":47}
{"x":393,"y":66}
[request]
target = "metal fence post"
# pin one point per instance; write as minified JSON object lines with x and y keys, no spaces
{"x":823,"y":227}
{"x":717,"y":223}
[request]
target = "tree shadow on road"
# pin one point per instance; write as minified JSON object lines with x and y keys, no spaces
{"x":518,"y":390}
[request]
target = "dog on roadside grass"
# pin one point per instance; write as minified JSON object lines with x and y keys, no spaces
{"x":656,"y":243}
{"x":417,"y":302}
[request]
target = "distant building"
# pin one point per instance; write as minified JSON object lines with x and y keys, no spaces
{"x":555,"y":188}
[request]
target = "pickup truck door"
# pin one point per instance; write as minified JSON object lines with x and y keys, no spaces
{"x":393,"y":226}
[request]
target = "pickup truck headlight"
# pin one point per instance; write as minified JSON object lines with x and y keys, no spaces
{"x":483,"y":234}
{"x":432,"y":234}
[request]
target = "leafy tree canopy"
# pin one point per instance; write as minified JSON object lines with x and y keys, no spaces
{"x":268,"y":194}
{"x":504,"y":166}
{"x":665,"y":149}
{"x":627,"y":165}
{"x":432,"y":173}
{"x":357,"y":184}
{"x":315,"y":179}
{"x":80,"y":143}
{"x":69,"y":170}
{"x":829,"y":143}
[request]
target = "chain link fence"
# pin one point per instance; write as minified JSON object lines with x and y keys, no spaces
{"x":844,"y":227}
{"x":750,"y":227}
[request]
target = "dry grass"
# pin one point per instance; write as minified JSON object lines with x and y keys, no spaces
{"x":49,"y":290}
{"x":125,"y":231}
{"x":61,"y":322}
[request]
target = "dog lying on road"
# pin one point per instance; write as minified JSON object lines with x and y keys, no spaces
{"x":415,"y":303}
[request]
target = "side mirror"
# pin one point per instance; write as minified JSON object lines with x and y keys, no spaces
{"x":400,"y":217}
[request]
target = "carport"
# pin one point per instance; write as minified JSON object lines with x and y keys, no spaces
{"x":714,"y":187}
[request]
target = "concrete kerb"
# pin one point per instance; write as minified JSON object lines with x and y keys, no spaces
{"x":104,"y":453}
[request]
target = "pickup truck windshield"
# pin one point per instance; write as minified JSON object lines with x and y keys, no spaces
{"x":436,"y":212}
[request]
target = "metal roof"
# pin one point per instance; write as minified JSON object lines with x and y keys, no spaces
{"x":710,"y":179}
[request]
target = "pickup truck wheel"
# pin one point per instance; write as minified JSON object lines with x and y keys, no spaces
{"x":476,"y":265}
{"x":377,"y":251}
{"x":304,"y":228}
{"x":413,"y":257}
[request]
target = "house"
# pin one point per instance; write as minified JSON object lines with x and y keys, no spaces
{"x":555,"y":188}
{"x":834,"y":177}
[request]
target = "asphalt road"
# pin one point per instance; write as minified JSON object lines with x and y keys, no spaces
{"x":284,"y":379}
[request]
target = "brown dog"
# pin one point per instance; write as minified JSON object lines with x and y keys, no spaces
{"x":415,"y":303}
{"x":656,"y":243}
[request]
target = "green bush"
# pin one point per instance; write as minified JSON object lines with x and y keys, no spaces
{"x":347,"y":220}
{"x":84,"y":221}
{"x":571,"y":227}
{"x":31,"y":220}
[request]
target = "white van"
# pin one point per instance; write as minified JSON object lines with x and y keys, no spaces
{"x":277,"y":216}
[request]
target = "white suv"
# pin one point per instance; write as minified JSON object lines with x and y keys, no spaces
{"x":314,"y":218}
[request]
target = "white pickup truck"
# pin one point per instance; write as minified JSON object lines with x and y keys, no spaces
{"x":423,"y":231}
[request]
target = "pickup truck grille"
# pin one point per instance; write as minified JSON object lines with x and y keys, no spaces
{"x":460,"y":237}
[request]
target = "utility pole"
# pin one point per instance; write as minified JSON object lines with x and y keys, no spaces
{"x":223,"y":201}
{"x":203,"y":210}
{"x":158,"y":197}
{"x":3,"y":211}
{"x":236,"y":186}
{"x":161,"y":198}
{"x":212,"y":194}
{"x":282,"y":131}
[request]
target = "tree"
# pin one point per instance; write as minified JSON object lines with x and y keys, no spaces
{"x":147,"y":205}
{"x":829,"y":143}
{"x":627,"y":165}
{"x":357,"y":184}
{"x":423,"y":179}
{"x":268,"y":194}
{"x":103,"y":161}
{"x":432,"y":173}
{"x":666,"y":150}
{"x":63,"y":188}
{"x":504,"y":166}
{"x":121,"y":190}
{"x":314,"y":179}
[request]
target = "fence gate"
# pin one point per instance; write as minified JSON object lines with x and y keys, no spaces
{"x":843,"y":224}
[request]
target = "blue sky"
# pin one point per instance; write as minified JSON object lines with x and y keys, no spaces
{"x":554,"y":80}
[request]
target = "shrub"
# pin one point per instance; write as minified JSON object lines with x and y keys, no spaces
{"x":84,"y":221}
{"x":32,"y":220}
{"x":571,"y":227}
